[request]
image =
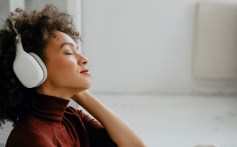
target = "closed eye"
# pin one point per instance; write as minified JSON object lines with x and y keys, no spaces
{"x":68,"y":53}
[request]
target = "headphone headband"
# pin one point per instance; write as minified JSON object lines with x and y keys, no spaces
{"x":28,"y":67}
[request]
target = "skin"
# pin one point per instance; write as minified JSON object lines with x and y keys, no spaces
{"x":64,"y":65}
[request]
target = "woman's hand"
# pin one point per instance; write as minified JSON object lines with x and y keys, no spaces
{"x":80,"y":96}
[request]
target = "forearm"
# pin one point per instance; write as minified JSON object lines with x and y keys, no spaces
{"x":118,"y":130}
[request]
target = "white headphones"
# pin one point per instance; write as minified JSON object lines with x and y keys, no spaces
{"x":28,"y":67}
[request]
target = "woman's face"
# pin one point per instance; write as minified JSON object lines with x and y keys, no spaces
{"x":67,"y":71}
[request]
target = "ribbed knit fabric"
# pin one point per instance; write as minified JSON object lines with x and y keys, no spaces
{"x":52,"y":124}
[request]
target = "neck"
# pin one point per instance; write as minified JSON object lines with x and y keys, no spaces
{"x":64,"y":93}
{"x":48,"y":88}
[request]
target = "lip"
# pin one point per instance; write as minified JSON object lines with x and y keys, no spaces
{"x":85,"y":71}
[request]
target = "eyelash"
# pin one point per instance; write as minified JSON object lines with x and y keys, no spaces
{"x":68,"y":52}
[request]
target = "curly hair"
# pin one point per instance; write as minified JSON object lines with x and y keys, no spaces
{"x":35,"y":28}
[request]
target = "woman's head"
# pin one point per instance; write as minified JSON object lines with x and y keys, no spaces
{"x":67,"y":71}
{"x":42,"y":32}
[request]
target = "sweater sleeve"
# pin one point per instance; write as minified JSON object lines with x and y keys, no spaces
{"x":96,"y":132}
{"x":97,"y":135}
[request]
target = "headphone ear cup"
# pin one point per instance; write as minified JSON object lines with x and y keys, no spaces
{"x":42,"y":65}
{"x":28,"y":70}
{"x":28,"y":67}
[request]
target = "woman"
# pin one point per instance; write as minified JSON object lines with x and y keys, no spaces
{"x":39,"y":113}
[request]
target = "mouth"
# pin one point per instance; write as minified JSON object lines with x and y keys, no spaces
{"x":85,"y":71}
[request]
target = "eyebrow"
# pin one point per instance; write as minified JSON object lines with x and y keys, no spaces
{"x":68,"y":43}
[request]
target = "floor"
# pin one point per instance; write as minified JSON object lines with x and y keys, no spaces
{"x":174,"y":121}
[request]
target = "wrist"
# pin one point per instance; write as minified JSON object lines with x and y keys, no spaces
{"x":80,"y":97}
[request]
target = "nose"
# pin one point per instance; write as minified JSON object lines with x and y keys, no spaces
{"x":82,"y":60}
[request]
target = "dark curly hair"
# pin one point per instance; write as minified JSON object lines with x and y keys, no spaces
{"x":35,"y":28}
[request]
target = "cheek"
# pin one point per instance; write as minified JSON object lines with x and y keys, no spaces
{"x":62,"y":68}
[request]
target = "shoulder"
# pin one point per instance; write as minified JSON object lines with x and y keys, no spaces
{"x":87,"y":120}
{"x":29,"y":132}
{"x":73,"y":112}
{"x":71,"y":109}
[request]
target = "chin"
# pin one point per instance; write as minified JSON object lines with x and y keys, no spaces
{"x":88,"y":87}
{"x":84,"y":87}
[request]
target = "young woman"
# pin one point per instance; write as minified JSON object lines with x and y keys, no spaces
{"x":40,"y":113}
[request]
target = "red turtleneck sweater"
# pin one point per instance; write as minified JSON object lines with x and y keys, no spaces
{"x":52,"y":124}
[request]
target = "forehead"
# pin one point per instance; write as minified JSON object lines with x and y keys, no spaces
{"x":59,"y":38}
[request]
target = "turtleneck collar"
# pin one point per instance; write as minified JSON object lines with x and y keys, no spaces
{"x":49,"y":107}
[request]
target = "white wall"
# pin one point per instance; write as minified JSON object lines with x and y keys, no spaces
{"x":4,"y":11}
{"x":137,"y":46}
